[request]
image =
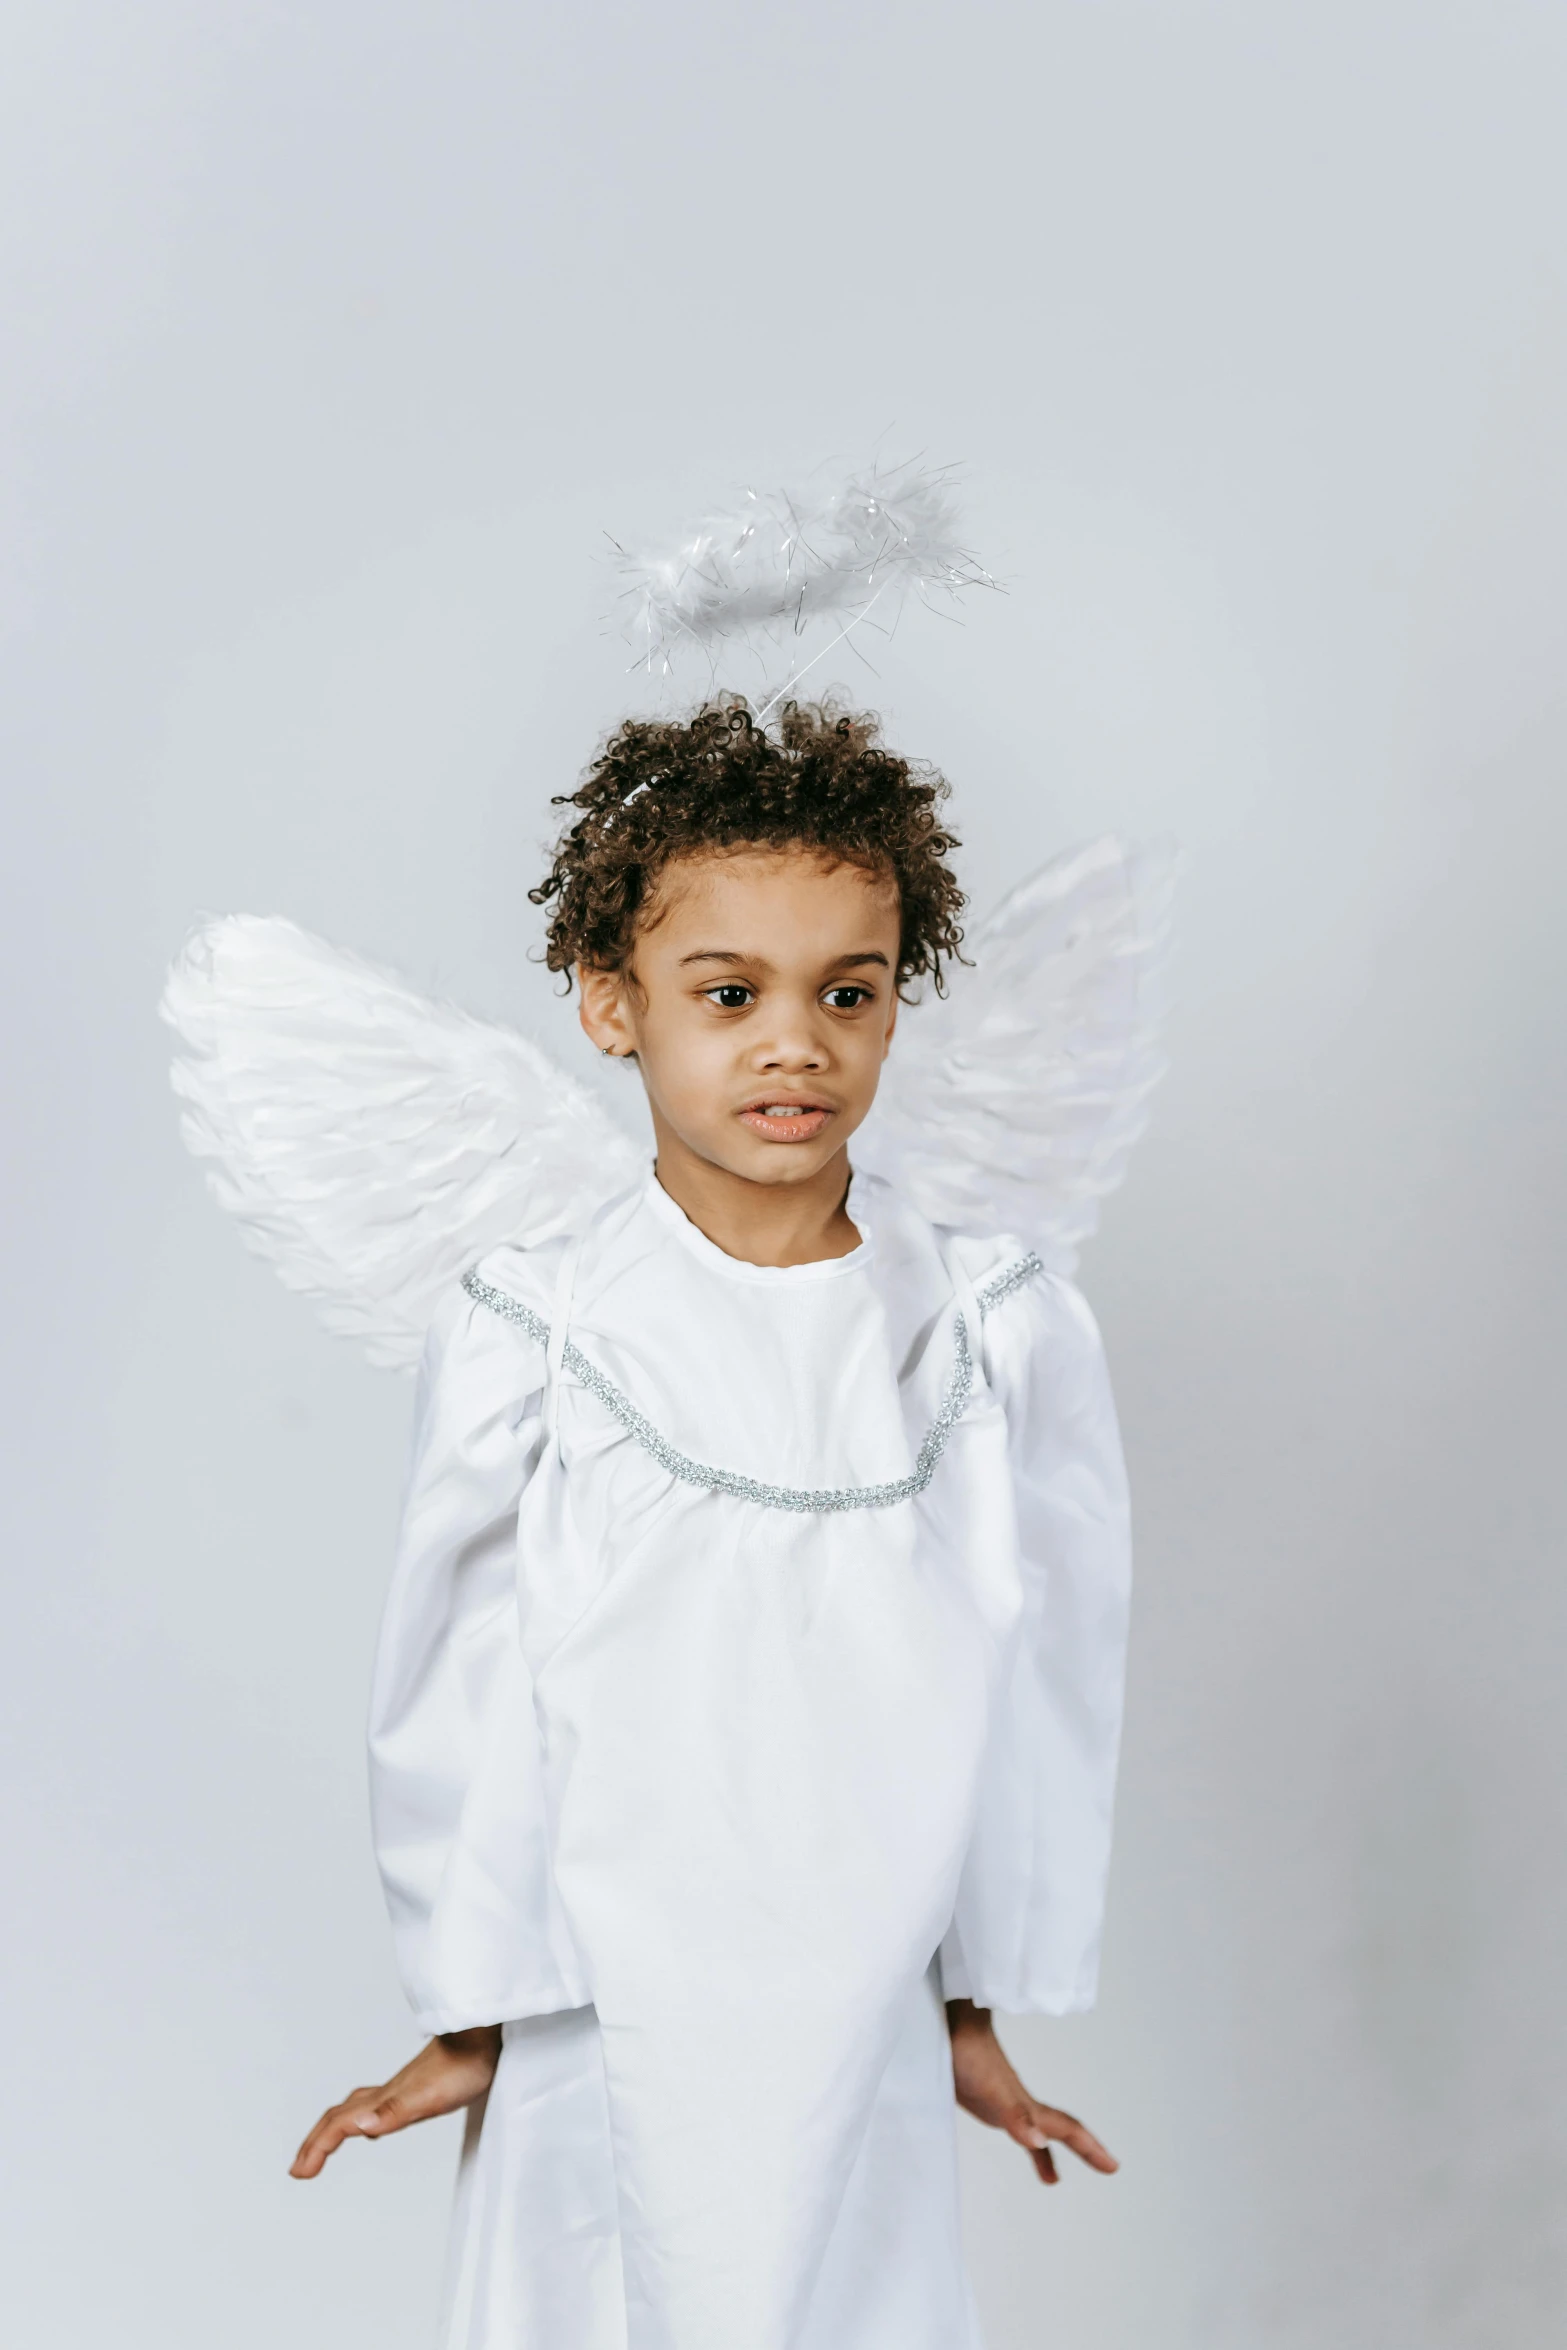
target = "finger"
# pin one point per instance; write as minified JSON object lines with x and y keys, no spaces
{"x":323,"y":2142}
{"x":391,"y":2113}
{"x":1045,"y":2164}
{"x":347,"y":2120}
{"x":325,"y":2135}
{"x":1067,"y":2130}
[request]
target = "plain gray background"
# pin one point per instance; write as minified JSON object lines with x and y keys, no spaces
{"x":335,"y":337}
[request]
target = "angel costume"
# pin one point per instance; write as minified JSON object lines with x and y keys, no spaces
{"x":751,"y":1675}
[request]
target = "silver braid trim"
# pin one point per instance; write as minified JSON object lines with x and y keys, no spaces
{"x":1001,"y":1285}
{"x":807,"y":1499}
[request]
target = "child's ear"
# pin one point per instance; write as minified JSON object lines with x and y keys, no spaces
{"x":602,"y":1012}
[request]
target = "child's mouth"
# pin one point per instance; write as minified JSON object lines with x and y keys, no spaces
{"x":786,"y":1121}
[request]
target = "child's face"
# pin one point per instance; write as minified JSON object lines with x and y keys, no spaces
{"x":760,"y":1006}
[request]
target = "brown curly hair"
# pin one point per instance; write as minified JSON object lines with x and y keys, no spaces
{"x":819,"y":779}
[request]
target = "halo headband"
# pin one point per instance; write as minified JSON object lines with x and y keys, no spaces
{"x":763,"y":568}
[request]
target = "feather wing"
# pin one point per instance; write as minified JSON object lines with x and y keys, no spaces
{"x":1012,"y":1103}
{"x":371,"y":1142}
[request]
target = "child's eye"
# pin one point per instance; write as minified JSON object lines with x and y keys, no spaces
{"x":732,"y":997}
{"x":846,"y":999}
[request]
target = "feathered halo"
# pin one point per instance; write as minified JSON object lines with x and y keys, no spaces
{"x":767,"y":565}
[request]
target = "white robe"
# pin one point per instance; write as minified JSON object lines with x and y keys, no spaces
{"x":689,"y":1780}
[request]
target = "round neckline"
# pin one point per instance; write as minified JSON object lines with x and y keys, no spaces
{"x":707,"y":1252}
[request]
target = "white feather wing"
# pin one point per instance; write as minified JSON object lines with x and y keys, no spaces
{"x":371,"y":1142}
{"x":1011,"y":1104}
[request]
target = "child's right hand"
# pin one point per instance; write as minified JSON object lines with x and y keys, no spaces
{"x":448,"y":2074}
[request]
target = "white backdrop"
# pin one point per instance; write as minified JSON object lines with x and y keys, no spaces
{"x":335,"y":338}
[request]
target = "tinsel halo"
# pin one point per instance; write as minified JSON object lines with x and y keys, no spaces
{"x":759,"y":569}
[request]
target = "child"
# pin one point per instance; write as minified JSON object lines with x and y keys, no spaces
{"x":745,"y":1713}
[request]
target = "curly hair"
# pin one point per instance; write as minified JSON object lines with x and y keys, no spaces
{"x":820,"y":779}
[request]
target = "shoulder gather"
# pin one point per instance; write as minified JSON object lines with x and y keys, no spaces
{"x":501,"y":1305}
{"x":1012,"y":1281}
{"x":1044,"y":1331}
{"x":517,"y":1285}
{"x":996,"y":1265}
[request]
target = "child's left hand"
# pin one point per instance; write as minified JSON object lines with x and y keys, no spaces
{"x":448,"y":2073}
{"x":990,"y":2090}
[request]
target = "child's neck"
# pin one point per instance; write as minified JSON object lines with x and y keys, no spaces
{"x":761,"y":1223}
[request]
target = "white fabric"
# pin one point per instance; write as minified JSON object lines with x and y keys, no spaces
{"x":535,"y":2251}
{"x":731,"y":1774}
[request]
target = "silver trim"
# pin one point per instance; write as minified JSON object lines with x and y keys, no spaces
{"x":1012,"y":1277}
{"x":778,"y":1497}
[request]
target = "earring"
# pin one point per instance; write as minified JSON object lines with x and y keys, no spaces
{"x":608,"y":1051}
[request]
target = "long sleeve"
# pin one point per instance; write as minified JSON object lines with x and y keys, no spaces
{"x":457,"y":1803}
{"x":1026,"y":1933}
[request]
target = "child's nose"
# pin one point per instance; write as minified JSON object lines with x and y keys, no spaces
{"x":793,"y":1044}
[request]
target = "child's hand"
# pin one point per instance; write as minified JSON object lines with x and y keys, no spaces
{"x":990,"y":2090}
{"x":451,"y":2072}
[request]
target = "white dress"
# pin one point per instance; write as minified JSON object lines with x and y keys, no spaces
{"x":751,"y":1679}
